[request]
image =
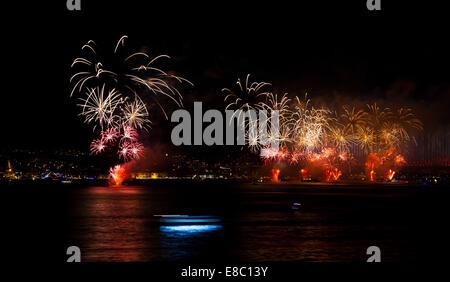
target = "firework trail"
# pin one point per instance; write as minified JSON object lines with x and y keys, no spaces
{"x":340,"y":138}
{"x":366,"y":138}
{"x":116,"y":90}
{"x":353,"y":119}
{"x":129,"y":72}
{"x":100,"y":108}
{"x":281,"y":105}
{"x":248,"y":95}
{"x":319,"y":138}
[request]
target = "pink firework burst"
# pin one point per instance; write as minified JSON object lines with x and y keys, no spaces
{"x":110,"y":134}
{"x":131,"y":150}
{"x":136,"y":149}
{"x":270,"y":155}
{"x":124,"y":152}
{"x":129,"y":133}
{"x":97,"y":146}
{"x":282,"y":154}
{"x":295,"y":157}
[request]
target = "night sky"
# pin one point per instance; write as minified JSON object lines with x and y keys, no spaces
{"x":328,"y":50}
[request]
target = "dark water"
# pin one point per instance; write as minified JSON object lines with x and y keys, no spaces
{"x":335,"y":223}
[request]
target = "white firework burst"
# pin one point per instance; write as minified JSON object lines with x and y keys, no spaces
{"x":129,"y":72}
{"x":248,"y":96}
{"x":135,"y":113}
{"x":99,"y":106}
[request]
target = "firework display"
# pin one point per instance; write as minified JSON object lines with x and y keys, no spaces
{"x":118,"y":174}
{"x":322,"y":140}
{"x":115,"y":92}
{"x":226,"y":140}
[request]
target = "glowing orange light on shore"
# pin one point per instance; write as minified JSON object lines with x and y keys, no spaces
{"x":373,"y":161}
{"x":390,"y":174}
{"x":333,"y":174}
{"x":117,"y":174}
{"x":372,"y":175}
{"x":304,"y":173}
{"x":275,"y":173}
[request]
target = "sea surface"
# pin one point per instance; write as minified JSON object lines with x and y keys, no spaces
{"x":335,"y":223}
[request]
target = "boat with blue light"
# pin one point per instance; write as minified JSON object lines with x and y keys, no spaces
{"x":179,"y":219}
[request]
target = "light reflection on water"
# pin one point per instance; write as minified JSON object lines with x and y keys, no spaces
{"x":118,"y":224}
{"x":184,"y":230}
{"x":111,"y":224}
{"x":187,"y":242}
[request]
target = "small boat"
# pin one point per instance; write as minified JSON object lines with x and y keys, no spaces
{"x":186,"y":219}
{"x":296,"y":206}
